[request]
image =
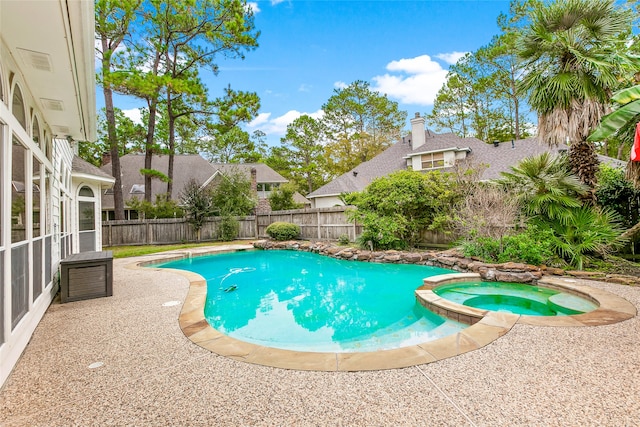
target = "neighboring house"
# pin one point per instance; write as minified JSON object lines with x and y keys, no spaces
{"x":186,"y":167}
{"x":424,"y":150}
{"x":49,"y":204}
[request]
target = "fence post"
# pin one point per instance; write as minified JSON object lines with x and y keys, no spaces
{"x":354,"y":230}
{"x":318,"y":221}
{"x":149,"y":239}
{"x":256,"y":225}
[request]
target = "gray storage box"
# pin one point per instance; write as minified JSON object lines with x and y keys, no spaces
{"x":86,"y":275}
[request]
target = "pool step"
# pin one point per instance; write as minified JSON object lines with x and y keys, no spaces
{"x":570,"y":304}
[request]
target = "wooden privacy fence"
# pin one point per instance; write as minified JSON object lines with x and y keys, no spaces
{"x":167,"y":231}
{"x":315,"y":224}
{"x":318,"y":223}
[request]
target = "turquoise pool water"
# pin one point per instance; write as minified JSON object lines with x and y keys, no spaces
{"x":515,"y":298}
{"x":307,"y":302}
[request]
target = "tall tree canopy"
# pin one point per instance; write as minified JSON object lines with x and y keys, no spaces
{"x":359,"y":125}
{"x":302,"y":147}
{"x":113,"y":21}
{"x":174,"y":40}
{"x":480,"y":97}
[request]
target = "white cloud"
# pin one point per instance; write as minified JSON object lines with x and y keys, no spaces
{"x":262,"y":118}
{"x":277,"y":126}
{"x":340,"y":85}
{"x":451,"y":57}
{"x":419,"y":65}
{"x":134,"y":114}
{"x":275,"y":2}
{"x":304,"y":88}
{"x":253,"y":7}
{"x":415,"y":80}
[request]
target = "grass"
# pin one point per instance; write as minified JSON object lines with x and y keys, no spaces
{"x":131,"y":251}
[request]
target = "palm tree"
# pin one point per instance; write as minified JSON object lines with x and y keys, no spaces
{"x":545,"y":187}
{"x":574,"y":52}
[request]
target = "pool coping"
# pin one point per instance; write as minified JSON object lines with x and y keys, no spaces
{"x":483,"y":331}
{"x":611,"y":308}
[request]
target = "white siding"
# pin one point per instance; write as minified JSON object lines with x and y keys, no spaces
{"x":326,"y":202}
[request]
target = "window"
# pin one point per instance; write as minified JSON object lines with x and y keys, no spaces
{"x":18,"y":201}
{"x":85,"y":192}
{"x":17,"y":107}
{"x":36,"y":174}
{"x":35,"y":132}
{"x":48,"y":149}
{"x":432,"y":160}
{"x":137,"y":189}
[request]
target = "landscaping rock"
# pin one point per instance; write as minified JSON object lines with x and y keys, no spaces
{"x":585,"y":274}
{"x":451,"y":259}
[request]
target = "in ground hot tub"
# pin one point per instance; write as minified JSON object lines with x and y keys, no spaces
{"x":515,"y":298}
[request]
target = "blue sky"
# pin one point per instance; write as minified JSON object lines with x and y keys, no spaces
{"x":309,"y":48}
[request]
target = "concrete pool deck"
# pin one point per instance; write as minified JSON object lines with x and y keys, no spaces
{"x":152,"y":374}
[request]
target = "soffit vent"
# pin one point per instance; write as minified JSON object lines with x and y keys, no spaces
{"x":52,"y":104}
{"x":62,"y":130}
{"x":38,"y":60}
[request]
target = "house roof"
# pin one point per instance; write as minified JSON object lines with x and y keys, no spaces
{"x":390,"y":160}
{"x":185,"y":167}
{"x":264,"y":174}
{"x":498,"y":159}
{"x":82,"y":167}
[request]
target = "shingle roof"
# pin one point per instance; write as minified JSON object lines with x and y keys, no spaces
{"x":390,"y":160}
{"x":83,"y":167}
{"x":185,"y":167}
{"x":498,"y":159}
{"x":263,"y":172}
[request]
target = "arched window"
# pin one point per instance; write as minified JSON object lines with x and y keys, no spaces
{"x":86,"y":192}
{"x":17,"y":106}
{"x":35,"y":132}
{"x":86,"y":219}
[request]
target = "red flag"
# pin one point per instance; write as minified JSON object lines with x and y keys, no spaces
{"x":635,"y":150}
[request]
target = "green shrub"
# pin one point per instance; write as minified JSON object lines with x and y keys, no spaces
{"x":532,"y":246}
{"x":394,"y":209}
{"x":487,"y":248}
{"x":281,"y":198}
{"x":283,"y":231}
{"x":229,"y":228}
{"x":344,"y":239}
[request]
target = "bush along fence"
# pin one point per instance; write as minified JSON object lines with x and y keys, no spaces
{"x":315,"y":224}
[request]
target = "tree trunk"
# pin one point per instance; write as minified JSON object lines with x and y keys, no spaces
{"x":118,"y":200}
{"x":152,"y":102}
{"x":620,"y":148}
{"x":584,"y":164}
{"x":172,"y":144}
{"x":148,"y":154}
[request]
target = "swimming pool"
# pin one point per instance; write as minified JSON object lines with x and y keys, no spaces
{"x":307,"y":302}
{"x":515,"y":298}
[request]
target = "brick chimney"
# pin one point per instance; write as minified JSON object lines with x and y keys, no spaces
{"x":254,"y":181}
{"x":417,"y":131}
{"x":106,"y":158}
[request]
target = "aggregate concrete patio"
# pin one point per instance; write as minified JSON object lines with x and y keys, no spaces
{"x":152,"y":374}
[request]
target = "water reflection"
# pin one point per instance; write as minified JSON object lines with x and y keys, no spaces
{"x":294,"y":299}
